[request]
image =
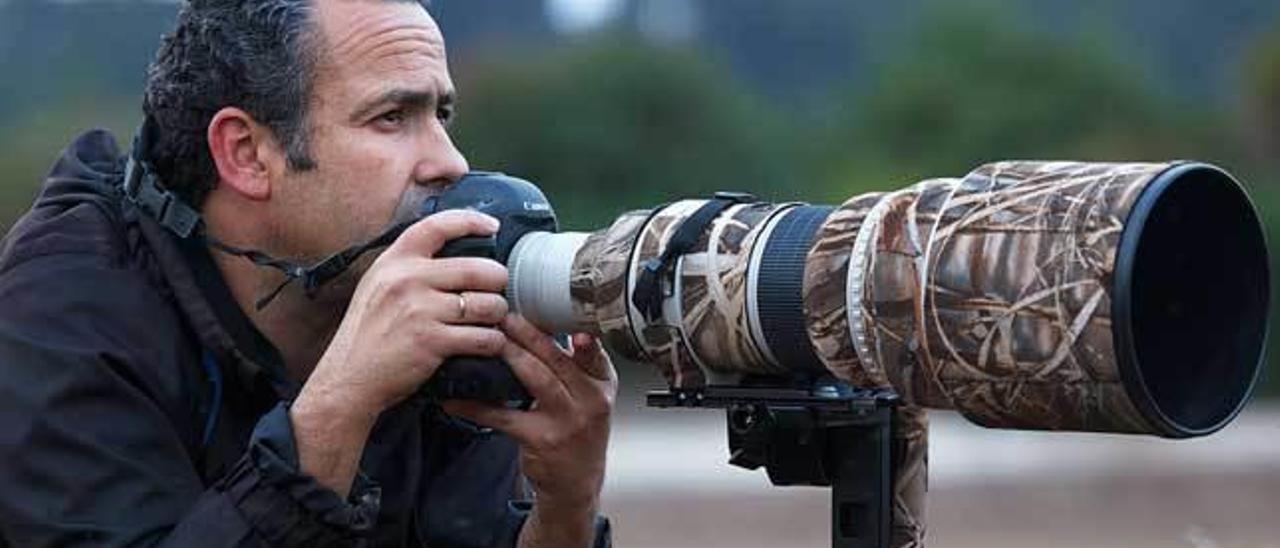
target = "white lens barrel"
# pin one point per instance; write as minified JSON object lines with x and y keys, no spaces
{"x":539,"y":268}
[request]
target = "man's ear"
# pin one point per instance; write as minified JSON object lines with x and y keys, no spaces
{"x":243,"y":152}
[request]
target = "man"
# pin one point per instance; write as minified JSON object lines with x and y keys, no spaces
{"x":148,"y":398}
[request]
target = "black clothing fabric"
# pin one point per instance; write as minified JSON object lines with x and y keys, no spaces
{"x":140,"y":407}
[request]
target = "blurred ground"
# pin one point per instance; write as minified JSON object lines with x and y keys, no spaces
{"x":670,"y":487}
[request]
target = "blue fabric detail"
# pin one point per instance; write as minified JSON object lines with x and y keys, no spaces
{"x":273,"y":453}
{"x":215,"y":377}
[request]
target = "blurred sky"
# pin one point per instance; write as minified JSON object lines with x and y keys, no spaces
{"x":582,"y":15}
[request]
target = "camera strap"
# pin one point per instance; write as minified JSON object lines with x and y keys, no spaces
{"x":141,"y":186}
{"x":315,"y":276}
{"x":661,"y":269}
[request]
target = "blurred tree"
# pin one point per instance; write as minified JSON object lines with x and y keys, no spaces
{"x":1260,"y":121}
{"x":54,"y":52}
{"x":473,"y":26}
{"x":1261,"y":107}
{"x":789,"y":50}
{"x":975,"y":87}
{"x":616,"y":125}
{"x":30,"y":144}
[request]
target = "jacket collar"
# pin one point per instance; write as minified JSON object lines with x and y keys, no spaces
{"x":196,"y":283}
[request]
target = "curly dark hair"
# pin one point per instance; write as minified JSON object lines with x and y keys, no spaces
{"x":257,"y":55}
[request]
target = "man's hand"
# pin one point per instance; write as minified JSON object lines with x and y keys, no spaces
{"x":406,"y":317}
{"x":564,"y":436}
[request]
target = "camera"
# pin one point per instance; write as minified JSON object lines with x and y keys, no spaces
{"x":1126,"y":297}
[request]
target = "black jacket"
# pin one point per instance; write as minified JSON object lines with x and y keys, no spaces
{"x":139,"y":406}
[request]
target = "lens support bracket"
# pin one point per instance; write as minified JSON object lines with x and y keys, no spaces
{"x":822,"y":432}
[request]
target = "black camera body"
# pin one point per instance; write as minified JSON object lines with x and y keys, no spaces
{"x":521,"y":208}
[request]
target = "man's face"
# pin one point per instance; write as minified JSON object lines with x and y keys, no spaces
{"x":380,"y":100}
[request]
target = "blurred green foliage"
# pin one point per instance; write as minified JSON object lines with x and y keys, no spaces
{"x":620,"y":125}
{"x":31,"y":141}
{"x":1261,"y":92}
{"x":608,"y":123}
{"x":1260,"y":121}
{"x":978,"y":86}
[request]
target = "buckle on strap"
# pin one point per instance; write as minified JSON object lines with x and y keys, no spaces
{"x":162,"y":205}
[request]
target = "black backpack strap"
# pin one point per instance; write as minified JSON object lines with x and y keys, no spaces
{"x":648,"y":293}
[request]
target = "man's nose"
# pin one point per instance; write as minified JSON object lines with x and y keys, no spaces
{"x":441,"y":163}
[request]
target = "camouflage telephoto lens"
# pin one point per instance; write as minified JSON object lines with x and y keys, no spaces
{"x":1039,"y":295}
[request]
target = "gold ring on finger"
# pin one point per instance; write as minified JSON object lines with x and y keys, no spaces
{"x":462,"y":307}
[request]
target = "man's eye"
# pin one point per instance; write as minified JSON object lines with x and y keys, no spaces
{"x":445,"y":115}
{"x":392,"y":118}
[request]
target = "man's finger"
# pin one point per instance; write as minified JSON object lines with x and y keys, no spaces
{"x":426,"y":237}
{"x":465,"y":274}
{"x":541,"y":345}
{"x":465,"y":340}
{"x":589,"y":356}
{"x":513,"y":422}
{"x":473,"y":308}
{"x":536,"y":376}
